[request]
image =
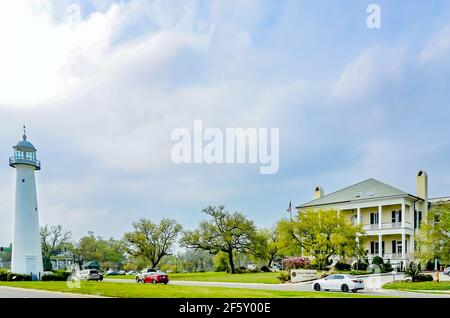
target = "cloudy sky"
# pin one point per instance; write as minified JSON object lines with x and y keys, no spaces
{"x":102,"y":84}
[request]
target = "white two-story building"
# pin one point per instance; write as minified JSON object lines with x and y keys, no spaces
{"x":390,"y":217}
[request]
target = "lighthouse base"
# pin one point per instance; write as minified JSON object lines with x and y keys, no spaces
{"x":27,"y":265}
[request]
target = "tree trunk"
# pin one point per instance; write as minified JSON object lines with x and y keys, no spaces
{"x":270,"y":260}
{"x":230,"y":260}
{"x":153,"y":262}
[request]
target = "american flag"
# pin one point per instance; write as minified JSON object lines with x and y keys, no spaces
{"x":289,"y":209}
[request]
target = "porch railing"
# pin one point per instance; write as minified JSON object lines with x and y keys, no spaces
{"x":386,"y":225}
{"x":391,"y":256}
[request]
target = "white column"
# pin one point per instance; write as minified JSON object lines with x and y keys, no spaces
{"x":411,"y":216}
{"x":380,"y":245}
{"x":403,"y":214}
{"x":403,"y":245}
{"x":380,"y":210}
{"x":338,"y":213}
{"x":358,"y":216}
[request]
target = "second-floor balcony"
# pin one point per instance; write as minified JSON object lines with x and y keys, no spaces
{"x":387,"y":225}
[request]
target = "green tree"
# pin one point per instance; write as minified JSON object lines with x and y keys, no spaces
{"x":54,"y":240}
{"x":220,"y":262}
{"x":133,"y":263}
{"x":197,"y":260}
{"x":267,"y":246}
{"x":225,"y":232}
{"x":152,"y":241}
{"x":434,"y":235}
{"x":321,"y":234}
{"x":5,"y":254}
{"x":108,"y":253}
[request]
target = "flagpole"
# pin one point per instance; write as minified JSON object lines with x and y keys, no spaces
{"x":289,"y":210}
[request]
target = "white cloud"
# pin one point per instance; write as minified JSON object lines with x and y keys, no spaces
{"x":365,"y":74}
{"x":48,"y":58}
{"x":127,"y":75}
{"x":438,"y":47}
{"x":38,"y":54}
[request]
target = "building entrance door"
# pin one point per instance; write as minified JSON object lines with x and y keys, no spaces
{"x":30,"y":265}
{"x":399,"y":248}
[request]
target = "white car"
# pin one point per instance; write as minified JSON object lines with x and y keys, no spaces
{"x":447,"y":271}
{"x":340,"y":282}
{"x":132,"y":273}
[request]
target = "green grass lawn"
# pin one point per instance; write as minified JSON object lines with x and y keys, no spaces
{"x":266,"y":278}
{"x":173,"y":291}
{"x":441,"y":286}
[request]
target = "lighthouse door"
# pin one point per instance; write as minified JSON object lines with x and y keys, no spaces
{"x":30,"y":265}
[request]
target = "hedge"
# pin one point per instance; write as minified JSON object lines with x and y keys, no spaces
{"x":5,"y":276}
{"x":57,"y":276}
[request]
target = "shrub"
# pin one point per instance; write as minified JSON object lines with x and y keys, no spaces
{"x":52,"y":277}
{"x":47,"y":263}
{"x":241,"y":270}
{"x":265,"y":269}
{"x":284,"y":277}
{"x":253,"y":270}
{"x":17,"y":277}
{"x":315,"y":266}
{"x":61,"y":272}
{"x":430,"y":265}
{"x":56,"y":276}
{"x":378,"y":260}
{"x":387,"y":267}
{"x":3,"y":275}
{"x":360,"y":265}
{"x":358,"y":272}
{"x":295,"y":262}
{"x":424,"y":278}
{"x":414,"y":271}
{"x":220,"y":262}
{"x":341,"y":266}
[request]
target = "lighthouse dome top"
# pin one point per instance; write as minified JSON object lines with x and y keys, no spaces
{"x":24,"y":154}
{"x":24,"y":145}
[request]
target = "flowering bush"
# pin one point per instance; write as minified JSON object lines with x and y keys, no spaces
{"x":295,"y":262}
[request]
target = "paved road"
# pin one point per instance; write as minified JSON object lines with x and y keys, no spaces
{"x":373,"y":286}
{"x":12,"y":292}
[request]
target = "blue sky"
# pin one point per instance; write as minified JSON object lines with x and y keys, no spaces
{"x":101,"y":85}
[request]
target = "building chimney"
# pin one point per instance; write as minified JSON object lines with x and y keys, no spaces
{"x":318,"y":192}
{"x":422,"y":185}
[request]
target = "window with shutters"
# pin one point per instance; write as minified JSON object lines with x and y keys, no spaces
{"x":373,"y":218}
{"x":396,"y":216}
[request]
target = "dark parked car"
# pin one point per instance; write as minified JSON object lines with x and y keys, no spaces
{"x":90,"y":274}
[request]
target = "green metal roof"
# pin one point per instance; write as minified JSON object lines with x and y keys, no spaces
{"x":91,"y":264}
{"x":368,"y":189}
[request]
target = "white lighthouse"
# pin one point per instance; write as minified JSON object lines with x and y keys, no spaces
{"x":26,"y":245}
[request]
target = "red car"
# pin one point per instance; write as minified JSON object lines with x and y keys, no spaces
{"x":156,"y":278}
